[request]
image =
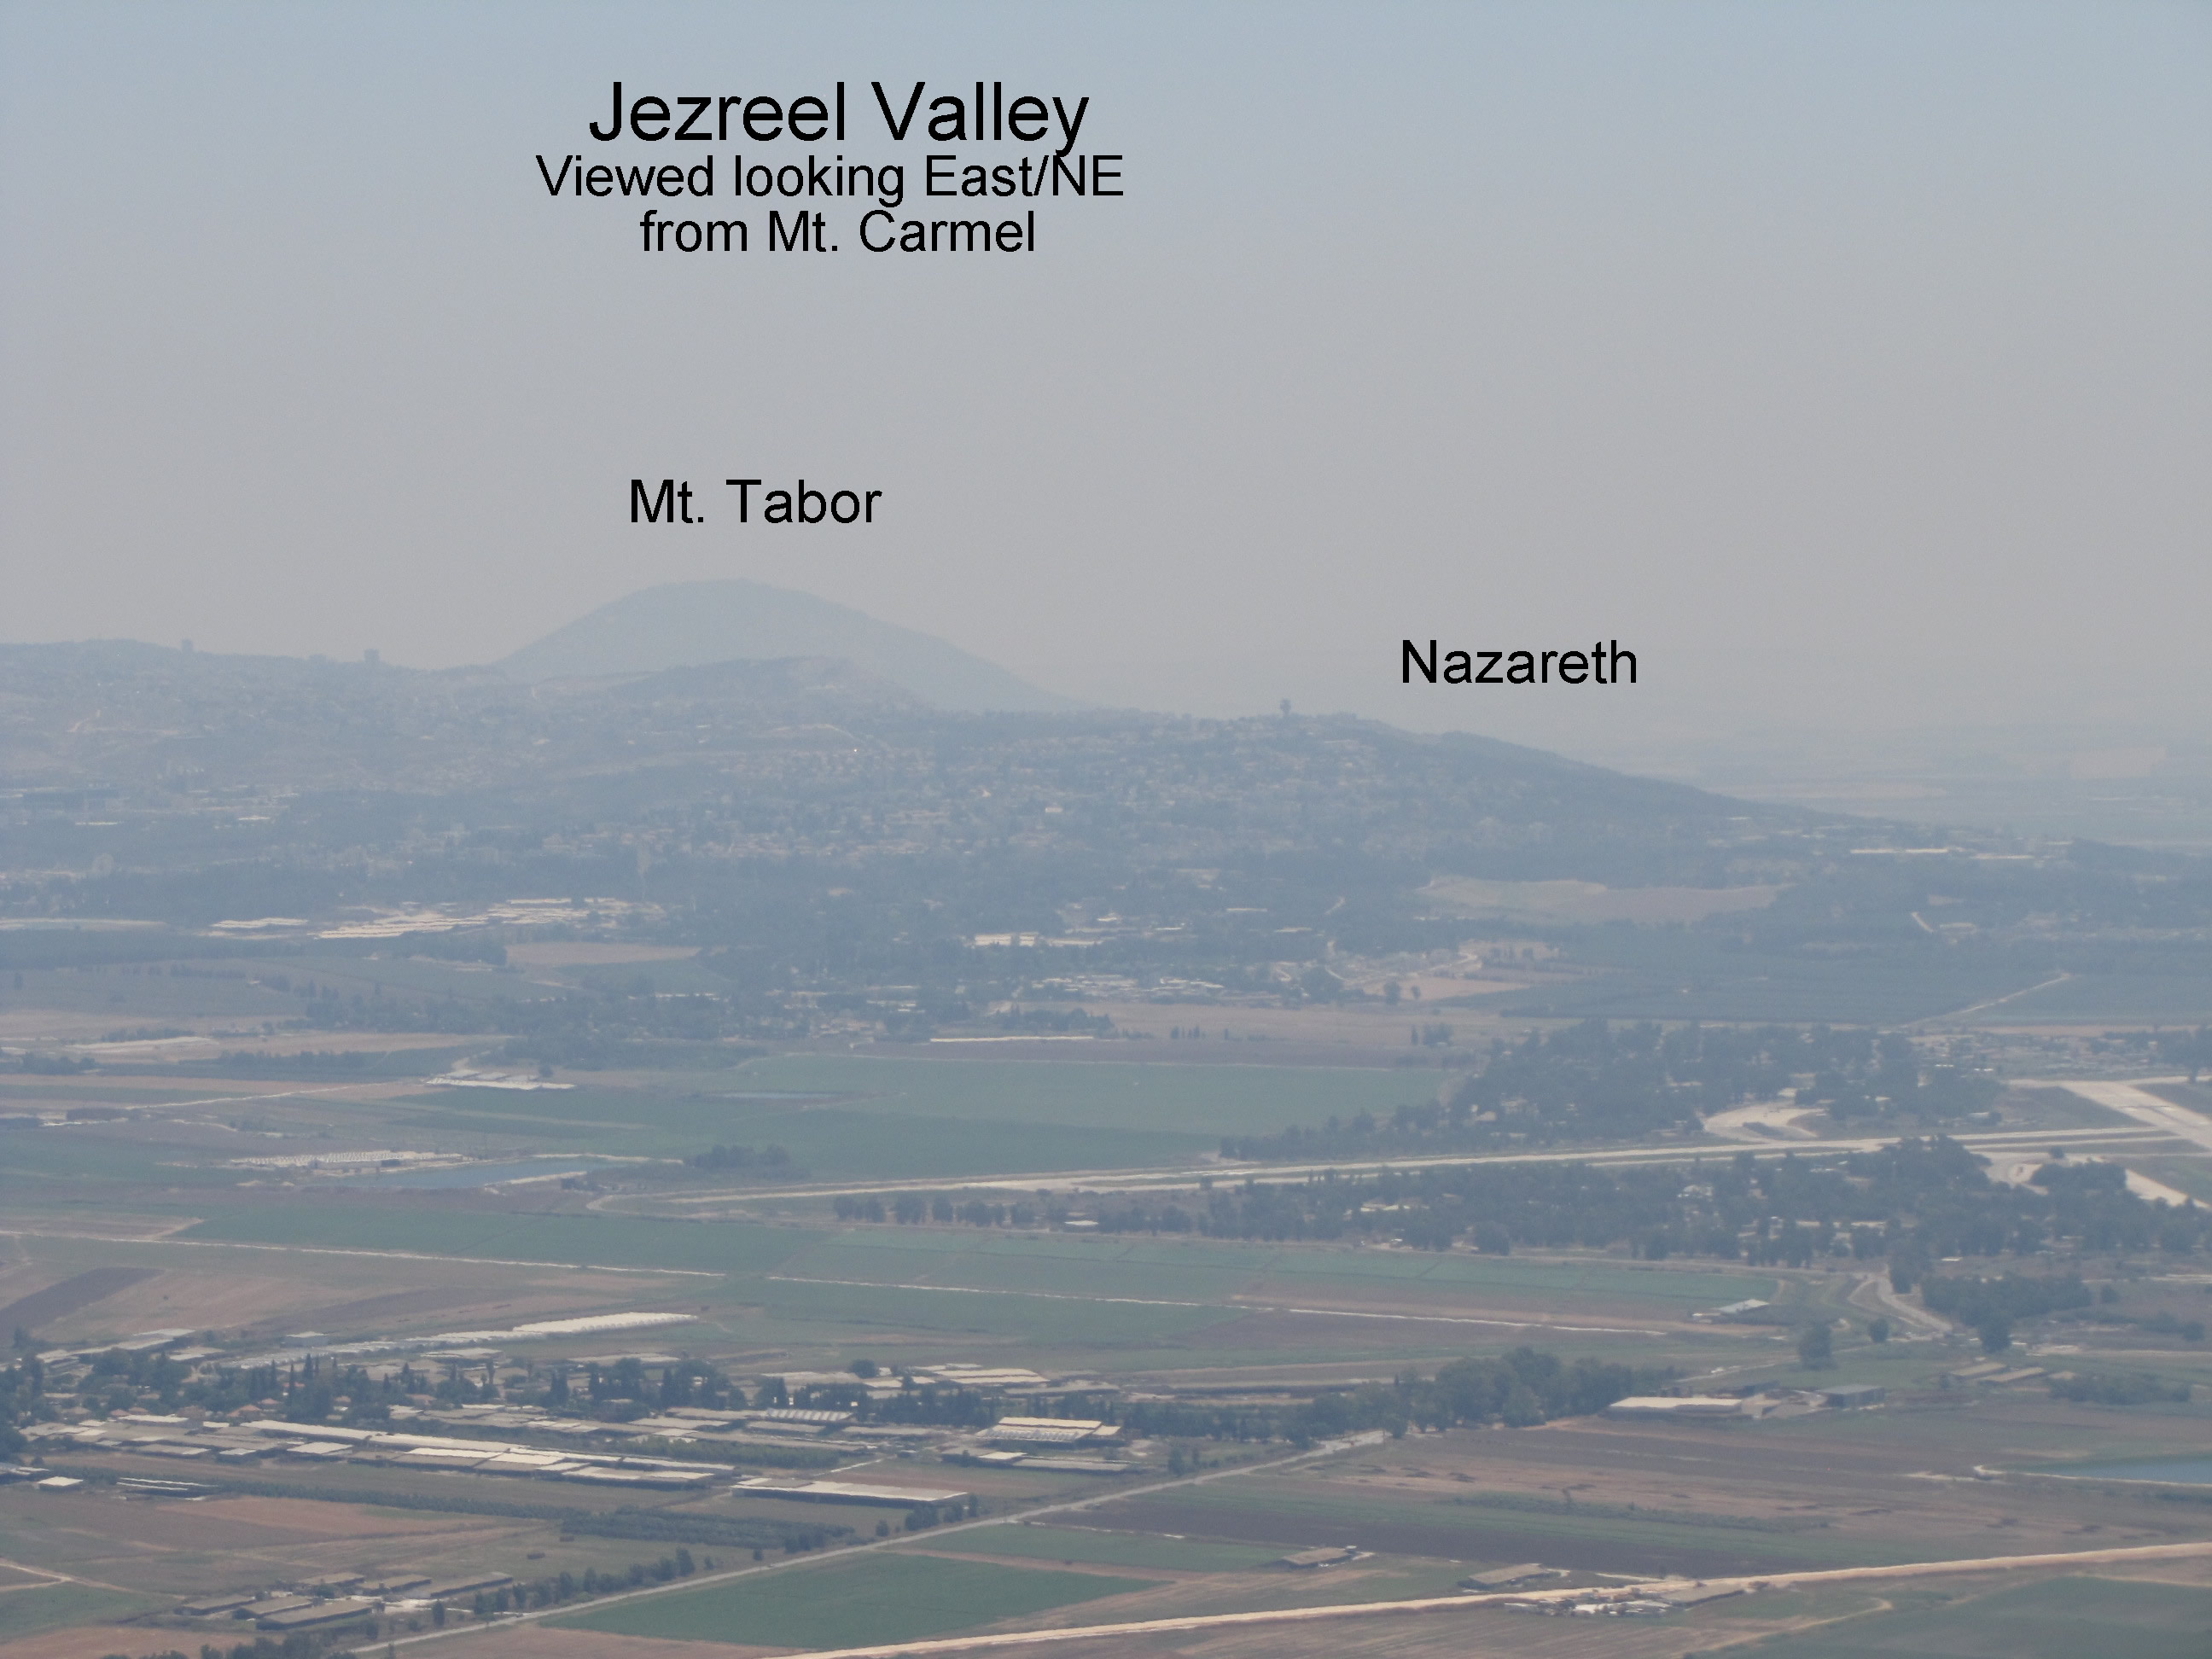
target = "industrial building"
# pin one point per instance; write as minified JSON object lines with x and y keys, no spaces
{"x":1051,"y":1431}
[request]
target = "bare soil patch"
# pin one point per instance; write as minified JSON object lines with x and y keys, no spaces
{"x":42,"y":1307}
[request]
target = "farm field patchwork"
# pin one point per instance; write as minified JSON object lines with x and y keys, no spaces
{"x":884,"y":1597}
{"x":837,"y":1140}
{"x":26,"y":1612}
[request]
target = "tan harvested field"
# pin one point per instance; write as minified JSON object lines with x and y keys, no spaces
{"x":185,"y":1548}
{"x":256,"y":1294}
{"x":81,"y":1642}
{"x":377,"y":1299}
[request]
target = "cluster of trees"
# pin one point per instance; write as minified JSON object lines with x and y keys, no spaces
{"x":316,"y":1389}
{"x":1990,"y":1307}
{"x":1052,"y":1022}
{"x":46,"y":1065}
{"x":306,"y":1391}
{"x":22,"y":1398}
{"x":557,"y":1588}
{"x":586,"y":1029}
{"x":298,"y":1644}
{"x":2190,"y":1049}
{"x":1913,"y":1202}
{"x":1597,"y":1081}
{"x":681,"y":1382}
{"x":1523,"y":1388}
{"x":770,"y":1157}
{"x":911,"y":1209}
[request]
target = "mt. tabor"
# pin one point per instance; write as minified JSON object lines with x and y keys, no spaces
{"x":688,"y":624}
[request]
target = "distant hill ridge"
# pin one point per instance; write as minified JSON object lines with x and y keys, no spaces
{"x":693,"y":624}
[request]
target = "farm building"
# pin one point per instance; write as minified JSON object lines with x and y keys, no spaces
{"x":1852,"y":1394}
{"x":1688,"y":1405}
{"x":1309,"y":1560}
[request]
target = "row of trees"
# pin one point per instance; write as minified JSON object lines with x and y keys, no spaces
{"x":1913,"y":1202}
{"x":911,"y":1209}
{"x":1523,"y":1388}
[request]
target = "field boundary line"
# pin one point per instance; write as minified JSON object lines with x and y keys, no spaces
{"x":166,"y":1243}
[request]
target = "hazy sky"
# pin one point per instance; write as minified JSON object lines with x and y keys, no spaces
{"x":1849,"y":362}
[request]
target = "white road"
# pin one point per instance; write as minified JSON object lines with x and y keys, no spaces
{"x":2133,"y":1100}
{"x":1993,"y":1144}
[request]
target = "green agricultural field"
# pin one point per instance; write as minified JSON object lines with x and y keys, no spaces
{"x":849,"y":1142}
{"x":27,"y":1612}
{"x":1040,"y":1320}
{"x":2061,"y":1618}
{"x":884,"y":1597}
{"x":39,"y":1166}
{"x":132,"y":999}
{"x":1551,"y":1283}
{"x":2169,"y":999}
{"x":34,"y":1093}
{"x":1106,"y":1266}
{"x":584,"y":1240}
{"x":1474,"y":1529}
{"x":469,"y":981}
{"x":1107,"y":1549}
{"x":1208,"y":1100}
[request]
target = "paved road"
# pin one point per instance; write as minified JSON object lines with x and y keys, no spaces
{"x":2133,"y":1100}
{"x":1994,"y":1142}
{"x":1873,"y":1294}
